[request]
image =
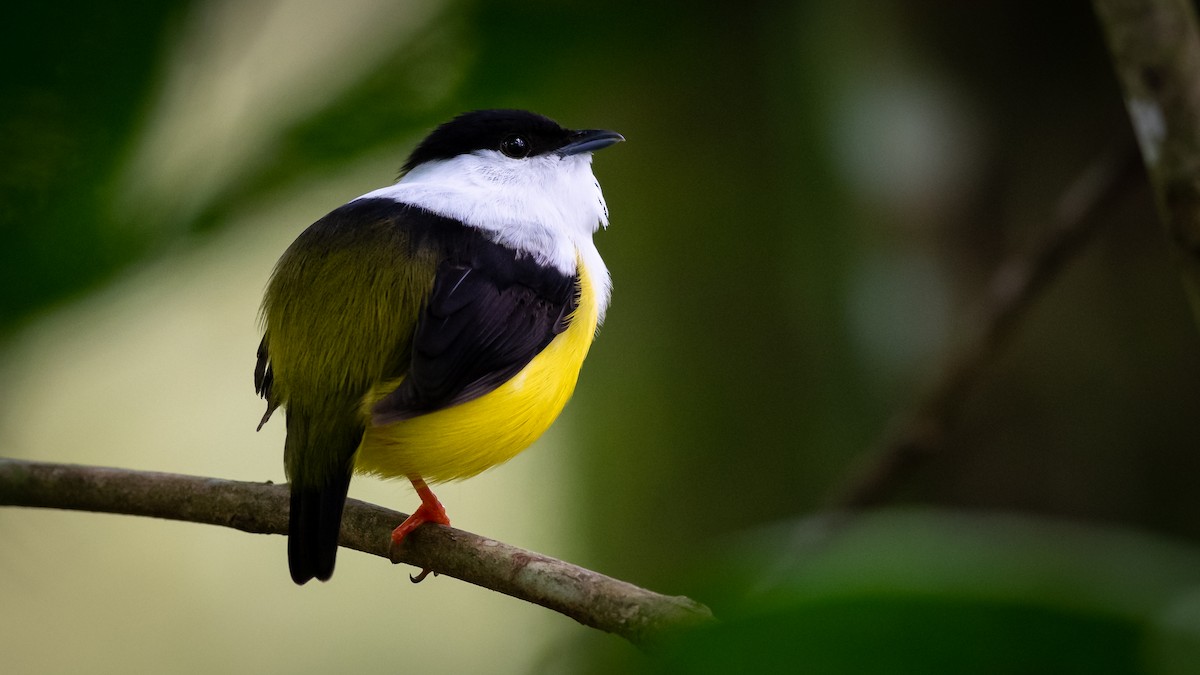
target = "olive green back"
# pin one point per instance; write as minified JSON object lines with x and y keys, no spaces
{"x":339,"y":314}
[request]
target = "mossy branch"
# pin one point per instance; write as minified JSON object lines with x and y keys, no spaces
{"x":636,"y":614}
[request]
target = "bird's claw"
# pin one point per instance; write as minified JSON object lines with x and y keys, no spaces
{"x":421,"y":577}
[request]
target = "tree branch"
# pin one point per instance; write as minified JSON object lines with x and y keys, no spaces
{"x":1155,"y":48}
{"x":636,"y":614}
{"x":1013,"y":289}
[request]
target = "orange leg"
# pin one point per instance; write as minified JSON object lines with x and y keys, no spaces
{"x":430,"y":511}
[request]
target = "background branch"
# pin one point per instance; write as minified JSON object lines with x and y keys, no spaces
{"x":1015,"y":286}
{"x":636,"y":614}
{"x":1155,"y":50}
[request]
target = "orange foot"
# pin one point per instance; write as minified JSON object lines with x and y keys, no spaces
{"x":430,"y":511}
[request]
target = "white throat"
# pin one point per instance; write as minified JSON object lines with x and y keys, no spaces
{"x":547,"y":206}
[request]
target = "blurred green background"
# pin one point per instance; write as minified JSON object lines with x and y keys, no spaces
{"x":811,"y":200}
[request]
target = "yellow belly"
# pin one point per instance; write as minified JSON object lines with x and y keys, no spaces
{"x":463,"y":440}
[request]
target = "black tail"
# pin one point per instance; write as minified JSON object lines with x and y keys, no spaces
{"x":319,"y":463}
{"x":313,"y":526}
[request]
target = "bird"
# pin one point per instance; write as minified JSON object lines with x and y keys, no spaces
{"x":434,"y":328}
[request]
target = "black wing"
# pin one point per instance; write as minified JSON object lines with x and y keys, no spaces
{"x":264,"y":379}
{"x":488,"y":316}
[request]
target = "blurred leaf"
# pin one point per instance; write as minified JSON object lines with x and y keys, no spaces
{"x":74,"y":79}
{"x":926,"y":591}
{"x":914,"y":635}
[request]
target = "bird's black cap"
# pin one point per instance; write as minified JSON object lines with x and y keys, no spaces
{"x":516,"y":133}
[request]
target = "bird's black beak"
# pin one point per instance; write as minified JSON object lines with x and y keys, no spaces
{"x":589,"y":140}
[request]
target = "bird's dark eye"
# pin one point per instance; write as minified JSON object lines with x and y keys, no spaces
{"x":515,"y":146}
